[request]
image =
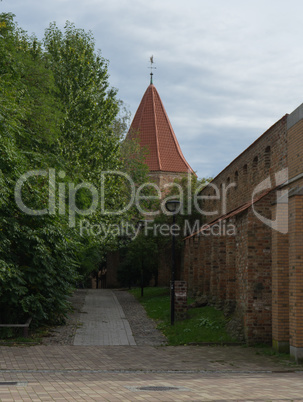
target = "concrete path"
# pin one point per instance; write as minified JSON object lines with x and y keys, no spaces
{"x":104,"y":322}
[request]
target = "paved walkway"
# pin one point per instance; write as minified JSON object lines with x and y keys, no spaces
{"x":143,"y":373}
{"x":103,"y":321}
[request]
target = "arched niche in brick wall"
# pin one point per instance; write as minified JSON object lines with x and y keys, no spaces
{"x":255,"y":162}
{"x":267,"y":157}
{"x":236,"y":179}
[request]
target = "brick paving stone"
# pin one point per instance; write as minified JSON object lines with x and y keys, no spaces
{"x":213,"y":387}
{"x":151,"y":358}
{"x":62,"y":372}
{"x":108,"y":372}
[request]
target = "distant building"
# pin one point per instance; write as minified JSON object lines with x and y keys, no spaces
{"x":152,"y":127}
{"x":165,"y":160}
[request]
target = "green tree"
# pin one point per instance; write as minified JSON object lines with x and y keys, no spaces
{"x":145,"y":251}
{"x":136,"y":262}
{"x":37,"y":259}
{"x":59,"y":114}
{"x":94,"y":120}
{"x":57,"y":110}
{"x":88,"y":142}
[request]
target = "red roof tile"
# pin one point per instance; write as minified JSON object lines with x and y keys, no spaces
{"x":157,"y":135}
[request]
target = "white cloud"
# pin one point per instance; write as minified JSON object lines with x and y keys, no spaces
{"x":226,"y":71}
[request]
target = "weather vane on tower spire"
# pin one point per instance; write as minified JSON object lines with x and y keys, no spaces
{"x":151,"y":68}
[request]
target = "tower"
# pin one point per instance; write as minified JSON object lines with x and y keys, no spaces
{"x":154,"y":131}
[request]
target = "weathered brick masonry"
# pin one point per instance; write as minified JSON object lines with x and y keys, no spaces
{"x":255,"y":267}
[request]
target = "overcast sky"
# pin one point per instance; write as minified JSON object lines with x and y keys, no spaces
{"x":226,"y":70}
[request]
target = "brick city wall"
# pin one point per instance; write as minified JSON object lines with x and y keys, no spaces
{"x":294,"y":282}
{"x":257,"y":273}
{"x":234,"y":270}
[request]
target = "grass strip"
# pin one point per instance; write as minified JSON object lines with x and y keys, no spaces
{"x":203,"y":325}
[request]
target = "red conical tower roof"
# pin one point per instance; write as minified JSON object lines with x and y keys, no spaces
{"x":155,"y":133}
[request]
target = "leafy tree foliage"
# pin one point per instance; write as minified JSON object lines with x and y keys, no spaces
{"x":154,"y":240}
{"x":37,"y":262}
{"x":90,"y":105}
{"x":136,"y":262}
{"x":57,"y":111}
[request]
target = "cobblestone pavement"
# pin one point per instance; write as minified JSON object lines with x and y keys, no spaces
{"x":58,"y":372}
{"x":143,"y":328}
